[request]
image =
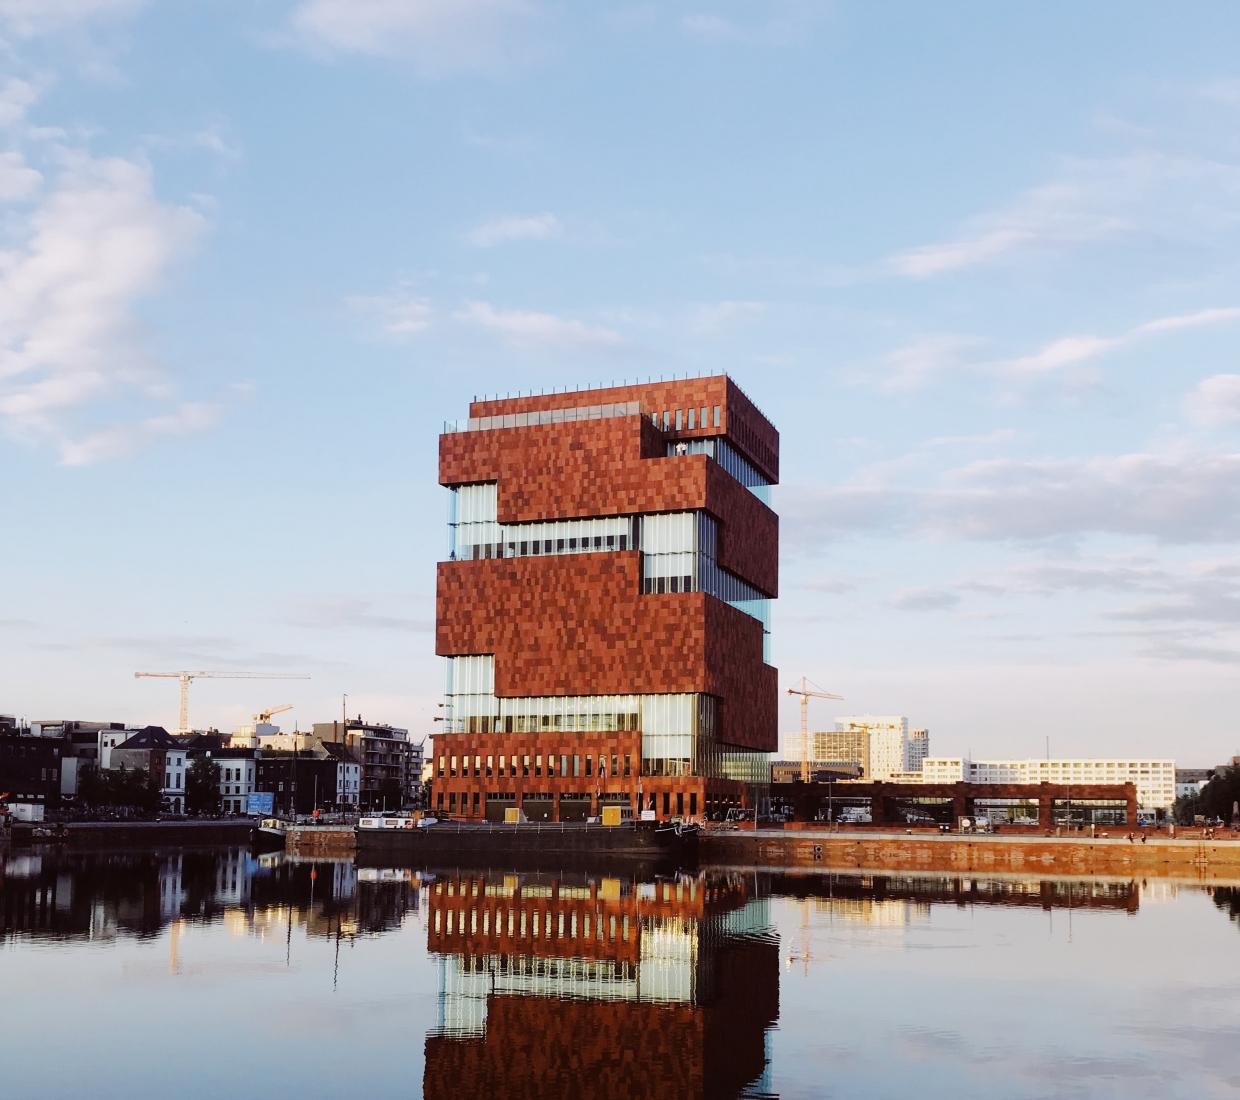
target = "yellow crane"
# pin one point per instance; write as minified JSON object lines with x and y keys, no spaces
{"x":806,"y":694}
{"x":264,"y":716}
{"x":186,"y":677}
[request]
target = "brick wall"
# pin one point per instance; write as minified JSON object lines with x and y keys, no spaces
{"x":578,"y":625}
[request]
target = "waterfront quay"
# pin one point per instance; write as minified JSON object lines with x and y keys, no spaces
{"x":1199,"y":857}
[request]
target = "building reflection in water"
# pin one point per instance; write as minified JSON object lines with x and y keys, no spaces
{"x":100,"y":896}
{"x":600,"y":987}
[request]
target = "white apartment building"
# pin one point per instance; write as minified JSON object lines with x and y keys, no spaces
{"x":888,"y":742}
{"x":1154,"y":779}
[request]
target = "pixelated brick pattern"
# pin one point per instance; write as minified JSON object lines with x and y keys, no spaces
{"x":614,"y":467}
{"x":745,"y":427}
{"x":579,"y":625}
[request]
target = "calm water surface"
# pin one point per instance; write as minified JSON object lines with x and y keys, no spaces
{"x":210,"y":974}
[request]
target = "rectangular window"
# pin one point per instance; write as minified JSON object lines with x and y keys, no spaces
{"x":615,"y":761}
{"x":691,"y":418}
{"x":525,"y":767}
{"x":452,"y":768}
{"x":538,"y":767}
{"x":693,"y":804}
{"x":490,"y":762}
{"x":680,"y":803}
{"x":678,"y":411}
{"x":563,"y":766}
{"x":440,"y":800}
{"x":628,"y":765}
{"x":477,"y":766}
{"x":475,"y":801}
{"x":576,"y":766}
{"x":667,"y":421}
{"x":716,"y":416}
{"x":441,"y":766}
{"x":589,"y":765}
{"x":667,"y":804}
{"x":452,"y":802}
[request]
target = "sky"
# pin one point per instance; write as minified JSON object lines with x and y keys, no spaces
{"x":978,"y":263}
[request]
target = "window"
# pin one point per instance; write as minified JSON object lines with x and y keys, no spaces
{"x":628,"y":765}
{"x":563,"y":766}
{"x":691,"y":418}
{"x":614,"y":761}
{"x":476,"y":801}
{"x":678,"y":412}
{"x":477,"y":766}
{"x":452,"y":768}
{"x":667,"y":804}
{"x":576,"y":766}
{"x":452,"y":802}
{"x":525,"y":767}
{"x":537,"y":767}
{"x":490,"y":759}
{"x":693,"y":804}
{"x":716,"y":416}
{"x":441,"y":765}
{"x":589,"y":765}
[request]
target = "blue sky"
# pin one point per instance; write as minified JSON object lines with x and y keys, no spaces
{"x":978,"y":263}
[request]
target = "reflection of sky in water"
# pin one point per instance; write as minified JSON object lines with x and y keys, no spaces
{"x":204,"y":974}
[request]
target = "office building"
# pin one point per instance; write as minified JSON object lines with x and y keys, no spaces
{"x":604,"y":607}
{"x":1154,"y":779}
{"x":887,"y":742}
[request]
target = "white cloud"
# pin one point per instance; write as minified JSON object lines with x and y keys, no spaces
{"x":1215,"y":401}
{"x":929,"y":355}
{"x":528,"y":329}
{"x":925,"y":599}
{"x":335,"y":612}
{"x":118,"y":440}
{"x":720,"y":315}
{"x":439,"y":36}
{"x":396,"y":314}
{"x":17,"y":179}
{"x":93,"y":247}
{"x":28,"y":18}
{"x":15,"y":97}
{"x":499,"y":230}
{"x":937,"y":354}
{"x":1090,"y":201}
{"x":1174,"y":497}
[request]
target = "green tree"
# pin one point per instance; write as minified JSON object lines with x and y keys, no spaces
{"x":202,"y":787}
{"x":1216,"y":798}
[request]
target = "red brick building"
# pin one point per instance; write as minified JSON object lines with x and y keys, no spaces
{"x":605,"y":603}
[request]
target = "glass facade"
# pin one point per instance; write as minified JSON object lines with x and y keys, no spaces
{"x":678,"y":731}
{"x":543,"y":416}
{"x":730,"y":459}
{"x":678,"y":548}
{"x":678,"y":555}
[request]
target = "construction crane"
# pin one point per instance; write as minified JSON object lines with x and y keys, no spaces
{"x":804,"y":692}
{"x":264,"y":716}
{"x":186,"y":677}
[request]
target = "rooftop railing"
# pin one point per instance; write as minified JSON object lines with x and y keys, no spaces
{"x":543,"y":416}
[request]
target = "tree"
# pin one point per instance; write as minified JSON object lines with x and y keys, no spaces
{"x":1216,"y":798}
{"x":202,"y":787}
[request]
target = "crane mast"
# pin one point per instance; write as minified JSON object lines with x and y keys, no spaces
{"x":185,"y":678}
{"x":805,"y":693}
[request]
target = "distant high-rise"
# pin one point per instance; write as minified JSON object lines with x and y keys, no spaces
{"x":887,"y":741}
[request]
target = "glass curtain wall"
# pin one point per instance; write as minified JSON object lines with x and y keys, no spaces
{"x":730,"y":459}
{"x":678,"y":555}
{"x":474,"y":532}
{"x":678,"y":731}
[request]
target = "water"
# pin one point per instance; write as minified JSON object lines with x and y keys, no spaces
{"x":204,"y":974}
